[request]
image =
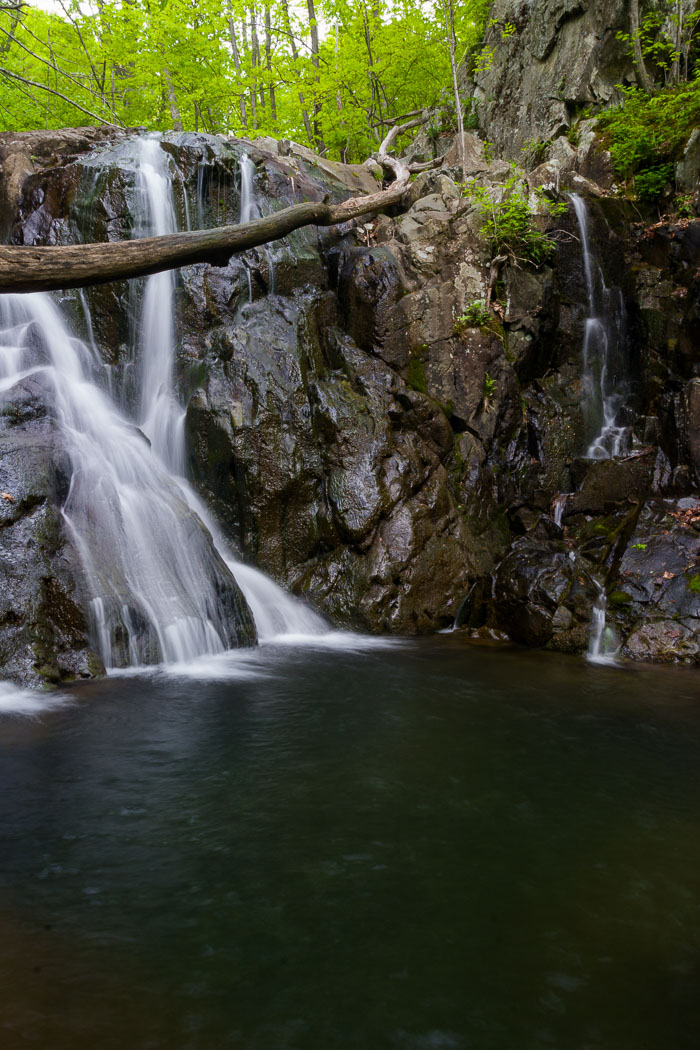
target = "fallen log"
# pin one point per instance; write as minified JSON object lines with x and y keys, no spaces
{"x":44,"y":269}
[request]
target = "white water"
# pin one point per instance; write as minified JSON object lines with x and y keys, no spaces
{"x":152,"y":578}
{"x":601,"y":644}
{"x":275,"y":612}
{"x":604,"y":372}
{"x":250,"y":210}
{"x":559,"y":506}
{"x":249,"y":207}
{"x":162,"y":417}
{"x":157,"y":588}
{"x":24,"y":702}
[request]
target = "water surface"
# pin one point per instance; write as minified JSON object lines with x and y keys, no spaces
{"x":425,"y":846}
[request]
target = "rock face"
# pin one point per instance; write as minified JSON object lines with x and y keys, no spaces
{"x":543,"y":63}
{"x":656,"y":595}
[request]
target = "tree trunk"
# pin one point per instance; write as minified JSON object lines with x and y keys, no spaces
{"x":295,"y":56}
{"x":449,"y":15}
{"x":31,"y":269}
{"x":172,"y":101}
{"x":268,"y":67}
{"x":637,"y":46}
{"x":320,"y":146}
{"x":235,"y":54}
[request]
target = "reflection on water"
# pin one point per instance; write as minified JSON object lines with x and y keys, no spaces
{"x":414,"y":847}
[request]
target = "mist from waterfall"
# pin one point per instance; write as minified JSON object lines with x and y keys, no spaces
{"x":605,"y":365}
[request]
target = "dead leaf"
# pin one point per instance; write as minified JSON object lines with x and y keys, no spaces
{"x":7,"y":497}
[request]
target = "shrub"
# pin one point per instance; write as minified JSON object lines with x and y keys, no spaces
{"x":509,"y":224}
{"x":476,"y":315}
{"x":647,"y":133}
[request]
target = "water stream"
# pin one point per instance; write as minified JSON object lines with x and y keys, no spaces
{"x":605,"y":369}
{"x":275,"y":612}
{"x":602,"y":646}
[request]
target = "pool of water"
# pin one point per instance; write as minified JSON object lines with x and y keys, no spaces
{"x":414,"y":847}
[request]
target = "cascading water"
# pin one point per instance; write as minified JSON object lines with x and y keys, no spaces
{"x":601,"y":644}
{"x":250,"y":211}
{"x":275,"y":612}
{"x":162,"y":417}
{"x":157,"y":587}
{"x":605,"y":370}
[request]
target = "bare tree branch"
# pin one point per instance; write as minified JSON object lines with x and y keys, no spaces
{"x":52,"y":91}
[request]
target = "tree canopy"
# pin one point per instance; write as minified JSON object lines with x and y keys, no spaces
{"x":333,"y":74}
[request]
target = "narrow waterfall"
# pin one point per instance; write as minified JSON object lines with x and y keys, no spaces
{"x":605,"y":369}
{"x":162,"y":417}
{"x":601,"y":644}
{"x":249,"y":211}
{"x":559,"y":506}
{"x":249,"y":208}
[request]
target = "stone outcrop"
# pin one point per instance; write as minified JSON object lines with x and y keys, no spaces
{"x":543,"y":64}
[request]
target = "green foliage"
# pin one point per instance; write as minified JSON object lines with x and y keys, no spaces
{"x":683,"y":206}
{"x":646,"y":135}
{"x":648,"y":132}
{"x":694,"y":584}
{"x":534,"y":151}
{"x":476,"y":315}
{"x":244,"y":68}
{"x":509,"y":223}
{"x":639,"y":546}
{"x":666,"y":41}
{"x":489,"y":387}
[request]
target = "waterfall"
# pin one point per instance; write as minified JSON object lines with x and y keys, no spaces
{"x":601,"y":644}
{"x":156,"y":588}
{"x":250,"y":211}
{"x":559,"y":506}
{"x":162,"y":417}
{"x":275,"y":612}
{"x":604,"y":353}
{"x":249,"y":207}
{"x":159,"y":585}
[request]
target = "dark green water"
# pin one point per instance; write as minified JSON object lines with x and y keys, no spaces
{"x":419,"y":848}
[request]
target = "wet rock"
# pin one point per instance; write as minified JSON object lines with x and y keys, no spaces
{"x":686,"y":410}
{"x":543,"y":595}
{"x":356,"y":435}
{"x":656,"y":595}
{"x":44,"y":633}
{"x":607,"y":482}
